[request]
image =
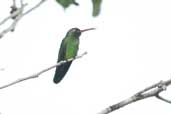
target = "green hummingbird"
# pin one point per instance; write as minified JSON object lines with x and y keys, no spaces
{"x":68,"y":49}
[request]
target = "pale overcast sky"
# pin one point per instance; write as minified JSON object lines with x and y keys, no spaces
{"x":129,"y":50}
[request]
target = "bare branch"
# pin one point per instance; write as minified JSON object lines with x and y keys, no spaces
{"x":36,"y":75}
{"x":33,"y":8}
{"x":148,"y":88}
{"x":163,"y":99}
{"x":151,"y":91}
{"x":19,"y":10}
{"x":16,"y":15}
{"x":21,"y":2}
{"x":14,"y":2}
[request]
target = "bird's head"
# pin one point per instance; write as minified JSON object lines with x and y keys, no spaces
{"x":76,"y":32}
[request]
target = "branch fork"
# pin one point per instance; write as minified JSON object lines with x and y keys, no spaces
{"x":151,"y":91}
{"x":16,"y":14}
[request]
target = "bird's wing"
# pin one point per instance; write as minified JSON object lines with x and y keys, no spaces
{"x":62,"y":51}
{"x":62,"y":69}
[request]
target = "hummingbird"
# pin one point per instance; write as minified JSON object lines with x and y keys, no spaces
{"x":68,"y":49}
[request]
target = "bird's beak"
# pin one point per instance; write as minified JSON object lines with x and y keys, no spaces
{"x":87,"y":29}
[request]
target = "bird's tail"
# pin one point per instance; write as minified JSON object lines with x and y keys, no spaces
{"x":61,"y":71}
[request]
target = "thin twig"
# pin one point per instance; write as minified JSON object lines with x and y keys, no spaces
{"x":13,"y":25}
{"x":33,"y":8}
{"x":36,"y":75}
{"x":148,"y":88}
{"x":163,"y":99}
{"x":17,"y":15}
{"x":151,"y":91}
{"x":12,"y":15}
{"x":21,"y":2}
{"x":14,"y":2}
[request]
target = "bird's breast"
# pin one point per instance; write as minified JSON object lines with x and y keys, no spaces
{"x":72,"y":49}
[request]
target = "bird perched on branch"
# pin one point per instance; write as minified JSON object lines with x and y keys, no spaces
{"x":68,"y":49}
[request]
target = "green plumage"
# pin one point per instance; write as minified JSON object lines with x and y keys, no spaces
{"x":68,"y":49}
{"x":96,"y":7}
{"x":67,"y":3}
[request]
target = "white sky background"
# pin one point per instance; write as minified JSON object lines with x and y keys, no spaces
{"x":129,"y":50}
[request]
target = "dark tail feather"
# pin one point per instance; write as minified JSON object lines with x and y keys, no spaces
{"x":61,"y":71}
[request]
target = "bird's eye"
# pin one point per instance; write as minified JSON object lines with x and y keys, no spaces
{"x":75,"y":31}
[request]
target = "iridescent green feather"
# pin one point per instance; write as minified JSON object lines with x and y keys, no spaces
{"x":96,"y":7}
{"x":68,"y":49}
